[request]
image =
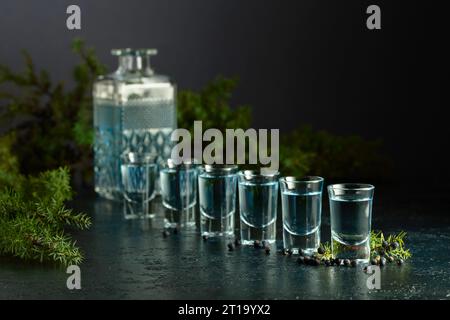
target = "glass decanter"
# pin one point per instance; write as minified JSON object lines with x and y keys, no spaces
{"x":134,"y":111}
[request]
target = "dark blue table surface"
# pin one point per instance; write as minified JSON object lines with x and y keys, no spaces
{"x":132,"y":260}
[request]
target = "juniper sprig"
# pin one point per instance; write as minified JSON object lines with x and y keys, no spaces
{"x":391,"y":246}
{"x":33,"y":216}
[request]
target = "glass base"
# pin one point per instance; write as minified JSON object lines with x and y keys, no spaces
{"x":249,"y":234}
{"x":308,"y":243}
{"x":218,"y":234}
{"x":362,"y":261}
{"x":252,"y":242}
{"x":109,"y":195}
{"x":217,"y":227}
{"x":359,"y":252}
{"x":188,"y":217}
{"x":139,"y":216}
{"x":179,"y":219}
{"x":137,"y":210}
{"x":171,"y":218}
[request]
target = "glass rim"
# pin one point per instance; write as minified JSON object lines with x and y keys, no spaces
{"x":219,"y":168}
{"x":351,"y":186}
{"x":258,"y":174}
{"x":133,"y":52}
{"x":305,"y":179}
{"x":138,"y":158}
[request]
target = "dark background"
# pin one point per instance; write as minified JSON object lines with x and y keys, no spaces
{"x":299,"y":62}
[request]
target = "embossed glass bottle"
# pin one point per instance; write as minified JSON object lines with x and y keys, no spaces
{"x":134,"y":111}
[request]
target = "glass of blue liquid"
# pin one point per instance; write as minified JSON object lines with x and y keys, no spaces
{"x":217,"y":198}
{"x":258,"y":198}
{"x":351,"y":218}
{"x":138,"y":180}
{"x":178,"y":183}
{"x":301,"y":202}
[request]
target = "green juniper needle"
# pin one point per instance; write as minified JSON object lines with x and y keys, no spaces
{"x":33,"y":218}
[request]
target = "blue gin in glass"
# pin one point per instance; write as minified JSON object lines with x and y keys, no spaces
{"x":301,"y":201}
{"x":258,"y":198}
{"x":138,"y":172}
{"x":351,"y":216}
{"x":179,"y":193}
{"x":217,"y":197}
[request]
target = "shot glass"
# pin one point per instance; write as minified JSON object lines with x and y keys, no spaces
{"x":217,"y":197}
{"x":258,"y":198}
{"x":351,"y":218}
{"x":301,"y":202}
{"x":138,"y":178}
{"x":179,"y":193}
